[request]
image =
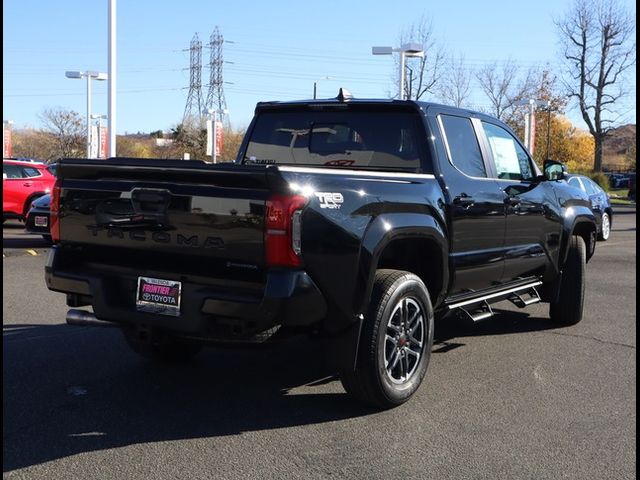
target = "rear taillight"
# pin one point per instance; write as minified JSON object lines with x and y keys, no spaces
{"x":54,"y":211}
{"x":282,"y":232}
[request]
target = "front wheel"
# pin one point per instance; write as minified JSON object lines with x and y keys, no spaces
{"x":568,"y":309}
{"x":396,"y":341}
{"x":605,"y":228}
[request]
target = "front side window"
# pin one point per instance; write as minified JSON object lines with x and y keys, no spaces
{"x":12,"y":171}
{"x":462,"y":144}
{"x":592,"y":188}
{"x":511,"y":160}
{"x":574,"y":182}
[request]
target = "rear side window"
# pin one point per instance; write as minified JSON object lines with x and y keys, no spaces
{"x":28,"y":172}
{"x":388,"y":140}
{"x":462,"y":145}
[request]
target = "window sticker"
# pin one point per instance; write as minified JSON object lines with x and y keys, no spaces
{"x":505,"y":155}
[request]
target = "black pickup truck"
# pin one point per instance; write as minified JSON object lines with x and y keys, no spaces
{"x":357,"y":220}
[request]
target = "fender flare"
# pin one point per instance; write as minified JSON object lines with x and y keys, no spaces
{"x":390,"y":227}
{"x":579,"y":218}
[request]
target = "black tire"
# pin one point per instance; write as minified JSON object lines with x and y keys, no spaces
{"x":161,"y":346}
{"x":569,"y":307}
{"x":605,"y":227}
{"x":372,"y":382}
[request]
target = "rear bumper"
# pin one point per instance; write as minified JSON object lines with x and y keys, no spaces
{"x":30,"y":225}
{"x":289,"y":298}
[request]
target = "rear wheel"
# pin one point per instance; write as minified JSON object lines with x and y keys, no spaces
{"x":568,"y":309}
{"x":396,"y":341}
{"x":161,"y":346}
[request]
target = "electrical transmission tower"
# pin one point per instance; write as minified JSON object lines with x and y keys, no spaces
{"x":193,"y":108}
{"x":215,"y":96}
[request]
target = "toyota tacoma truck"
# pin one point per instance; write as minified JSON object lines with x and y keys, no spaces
{"x":356,"y":220}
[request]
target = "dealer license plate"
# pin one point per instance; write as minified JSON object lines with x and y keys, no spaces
{"x":156,"y":295}
{"x":40,"y":221}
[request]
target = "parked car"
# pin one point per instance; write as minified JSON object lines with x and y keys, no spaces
{"x":600,"y":203}
{"x":632,"y":189}
{"x":22,"y":183}
{"x":38,"y":217}
{"x":25,"y":159}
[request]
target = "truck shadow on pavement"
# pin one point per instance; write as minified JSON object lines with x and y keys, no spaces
{"x":69,"y":390}
{"x":450,"y":329}
{"x":26,"y":242}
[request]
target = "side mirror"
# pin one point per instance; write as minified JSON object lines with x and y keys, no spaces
{"x":4,"y":176}
{"x":554,"y":170}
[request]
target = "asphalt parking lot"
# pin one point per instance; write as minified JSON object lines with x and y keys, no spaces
{"x":513,"y":397}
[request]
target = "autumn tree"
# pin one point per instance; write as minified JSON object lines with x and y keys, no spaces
{"x":68,"y":131}
{"x":571,"y":145}
{"x":232,"y":138}
{"x":29,"y":143}
{"x":598,"y":42}
{"x":547,"y":92}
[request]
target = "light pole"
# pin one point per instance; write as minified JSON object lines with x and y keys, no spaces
{"x":212,"y":131}
{"x":548,"y":128}
{"x":530,"y":121}
{"x":315,"y":87}
{"x":406,"y":50}
{"x":88,"y":75}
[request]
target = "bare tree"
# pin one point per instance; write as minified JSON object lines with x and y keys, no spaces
{"x":423,"y":73}
{"x":67,"y":129}
{"x":597,"y":38}
{"x":506,"y":87}
{"x":456,"y":85}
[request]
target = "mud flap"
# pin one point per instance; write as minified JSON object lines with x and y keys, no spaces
{"x":341,"y":349}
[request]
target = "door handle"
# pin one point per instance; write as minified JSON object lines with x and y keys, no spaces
{"x":27,"y":184}
{"x":463,"y":200}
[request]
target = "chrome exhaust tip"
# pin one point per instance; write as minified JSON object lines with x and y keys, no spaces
{"x":82,"y":318}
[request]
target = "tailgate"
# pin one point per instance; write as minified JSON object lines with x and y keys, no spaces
{"x":166,"y":209}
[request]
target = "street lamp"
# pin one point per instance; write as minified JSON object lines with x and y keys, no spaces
{"x":406,"y":50}
{"x":212,"y":131}
{"x":314,"y":84}
{"x":88,"y":75}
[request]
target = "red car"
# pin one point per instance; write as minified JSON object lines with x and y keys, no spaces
{"x":22,"y":183}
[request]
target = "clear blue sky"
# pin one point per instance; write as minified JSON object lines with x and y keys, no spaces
{"x":276,"y":50}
